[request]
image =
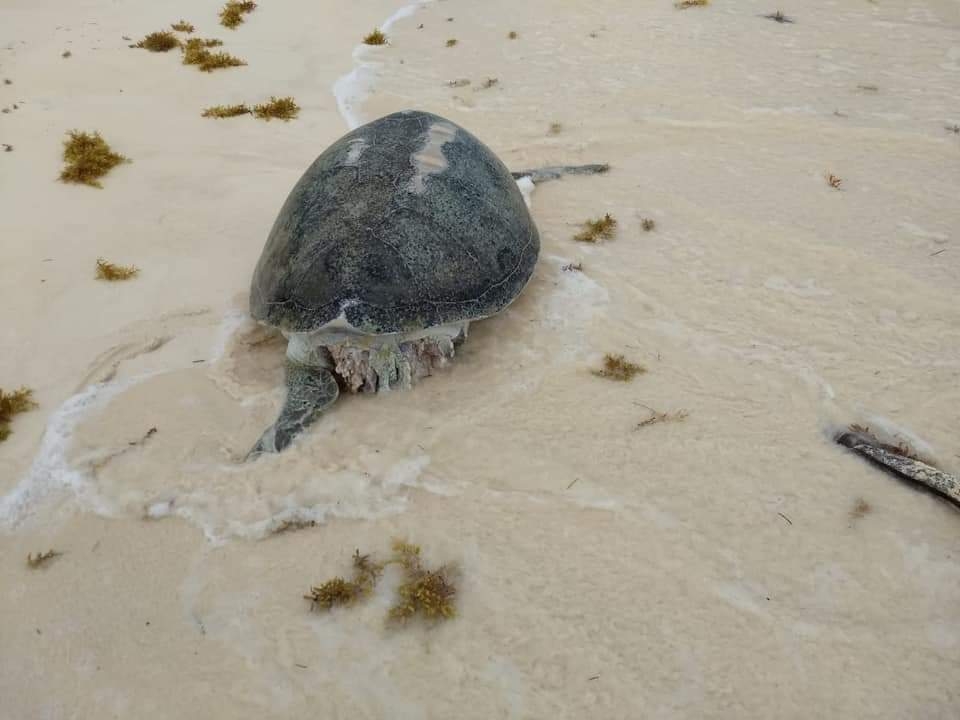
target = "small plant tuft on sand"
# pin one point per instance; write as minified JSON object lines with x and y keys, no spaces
{"x":617,"y":367}
{"x":375,"y":38}
{"x":7,"y":81}
{"x":226,"y":111}
{"x":555,"y":128}
{"x":684,"y":4}
{"x":162,"y":41}
{"x":109,"y":271}
{"x":231,"y":15}
{"x":648,"y":224}
{"x":13,"y":403}
{"x":183,"y":26}
{"x":834,"y":181}
{"x":428,"y":593}
{"x":278,"y":108}
{"x":512,"y":35}
{"x":88,"y":158}
{"x":452,"y":42}
{"x":196,"y":52}
{"x":66,"y":54}
{"x":42,"y":558}
{"x":594,"y":230}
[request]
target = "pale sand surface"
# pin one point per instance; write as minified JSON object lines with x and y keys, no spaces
{"x":709,"y":568}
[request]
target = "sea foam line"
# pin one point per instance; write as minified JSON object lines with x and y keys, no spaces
{"x":352,"y":89}
{"x":50,"y":470}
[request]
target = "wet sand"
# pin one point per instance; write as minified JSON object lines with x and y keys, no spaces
{"x":712,"y":567}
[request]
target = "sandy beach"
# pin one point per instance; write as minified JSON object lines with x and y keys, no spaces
{"x":688,"y":544}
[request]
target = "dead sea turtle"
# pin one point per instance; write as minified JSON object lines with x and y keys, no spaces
{"x":398,"y":236}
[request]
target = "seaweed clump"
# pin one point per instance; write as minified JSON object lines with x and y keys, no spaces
{"x":109,"y":271}
{"x":375,"y":38}
{"x":226,"y":111}
{"x":452,"y":42}
{"x":428,"y":593}
{"x":617,"y":367}
{"x":648,"y":224}
{"x":594,"y":230}
{"x":88,"y":158}
{"x":422,"y":592}
{"x":13,"y":403}
{"x":232,"y":13}
{"x":684,"y":4}
{"x":197,"y":52}
{"x":183,"y":26}
{"x":512,"y":35}
{"x":162,"y":41}
{"x":339,"y":591}
{"x":279,"y":108}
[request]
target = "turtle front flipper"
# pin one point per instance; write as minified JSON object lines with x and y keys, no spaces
{"x":310,"y":391}
{"x":555,"y":172}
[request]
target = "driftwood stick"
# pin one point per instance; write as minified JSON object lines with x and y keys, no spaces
{"x":908,"y":467}
{"x":555,"y":172}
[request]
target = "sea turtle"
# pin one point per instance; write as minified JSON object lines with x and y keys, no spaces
{"x":398,"y":236}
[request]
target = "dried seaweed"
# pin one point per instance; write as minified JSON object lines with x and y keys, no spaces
{"x":226,"y":111}
{"x":278,"y":108}
{"x":427,"y":593}
{"x":231,"y":16}
{"x":11,"y":404}
{"x":88,"y":157}
{"x":162,"y":41}
{"x":593,"y":230}
{"x":196,"y":52}
{"x":109,"y":271}
{"x":183,"y":26}
{"x":452,"y":42}
{"x":375,"y":38}
{"x":617,"y":367}
{"x":339,"y":591}
{"x":423,"y":592}
{"x":860,"y":508}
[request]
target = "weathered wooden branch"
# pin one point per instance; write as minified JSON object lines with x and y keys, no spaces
{"x":907,"y":467}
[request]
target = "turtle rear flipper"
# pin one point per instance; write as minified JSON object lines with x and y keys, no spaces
{"x":310,"y":391}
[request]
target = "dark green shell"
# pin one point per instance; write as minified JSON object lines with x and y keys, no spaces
{"x":407,"y":222}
